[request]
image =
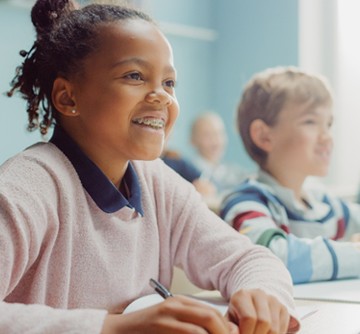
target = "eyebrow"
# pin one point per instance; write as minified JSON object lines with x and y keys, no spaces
{"x":140,"y":62}
{"x":308,"y":112}
{"x":313,"y":113}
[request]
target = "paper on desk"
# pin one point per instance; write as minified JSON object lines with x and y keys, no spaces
{"x":305,"y":311}
{"x":153,"y":299}
{"x":143,"y":302}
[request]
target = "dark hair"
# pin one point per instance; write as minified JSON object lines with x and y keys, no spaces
{"x":66,"y":35}
{"x":268,"y":92}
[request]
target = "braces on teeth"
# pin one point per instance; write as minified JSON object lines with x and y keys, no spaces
{"x":155,"y":123}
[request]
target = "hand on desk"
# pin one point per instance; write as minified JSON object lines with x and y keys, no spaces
{"x":175,"y":315}
{"x":249,"y":312}
{"x":255,"y":312}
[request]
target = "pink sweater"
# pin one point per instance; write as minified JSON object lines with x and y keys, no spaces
{"x":60,"y":252}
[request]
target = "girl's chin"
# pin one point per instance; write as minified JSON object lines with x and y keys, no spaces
{"x":150,"y":156}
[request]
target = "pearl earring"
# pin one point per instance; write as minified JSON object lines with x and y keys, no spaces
{"x":73,"y":111}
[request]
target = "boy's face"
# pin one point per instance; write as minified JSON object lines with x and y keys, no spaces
{"x":301,"y":141}
{"x":125,"y":97}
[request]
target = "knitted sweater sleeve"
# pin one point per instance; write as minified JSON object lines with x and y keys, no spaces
{"x":307,"y":258}
{"x":212,"y":254}
{"x":22,"y":231}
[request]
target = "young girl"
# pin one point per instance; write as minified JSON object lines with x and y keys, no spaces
{"x":284,"y":118}
{"x":89,"y":217}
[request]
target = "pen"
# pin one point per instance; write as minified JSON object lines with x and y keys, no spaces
{"x":160,"y":289}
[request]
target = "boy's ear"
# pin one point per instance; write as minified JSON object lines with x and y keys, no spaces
{"x":62,"y":97}
{"x":261,"y":135}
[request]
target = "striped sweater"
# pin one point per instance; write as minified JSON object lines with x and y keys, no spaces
{"x":311,"y":241}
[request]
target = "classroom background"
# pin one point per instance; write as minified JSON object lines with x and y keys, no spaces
{"x":218,"y":46}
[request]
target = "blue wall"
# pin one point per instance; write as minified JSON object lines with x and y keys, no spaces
{"x":16,"y":33}
{"x":194,"y":59}
{"x":252,"y":35}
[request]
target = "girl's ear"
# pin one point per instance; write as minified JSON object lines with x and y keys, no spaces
{"x":62,"y":97}
{"x":260,"y":134}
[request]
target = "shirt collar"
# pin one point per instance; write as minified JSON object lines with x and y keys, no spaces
{"x":107,"y":197}
{"x":285,"y":194}
{"x":318,"y":207}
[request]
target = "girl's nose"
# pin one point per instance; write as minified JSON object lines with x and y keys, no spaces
{"x":159,"y":96}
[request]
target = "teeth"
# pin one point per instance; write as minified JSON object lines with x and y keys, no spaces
{"x":152,"y":122}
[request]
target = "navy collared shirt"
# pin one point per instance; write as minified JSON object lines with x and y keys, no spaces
{"x":107,"y":197}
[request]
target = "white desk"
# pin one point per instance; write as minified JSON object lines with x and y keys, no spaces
{"x":338,"y":304}
{"x":336,"y":291}
{"x":330,"y":317}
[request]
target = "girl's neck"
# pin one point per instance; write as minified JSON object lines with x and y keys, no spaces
{"x":114,"y":169}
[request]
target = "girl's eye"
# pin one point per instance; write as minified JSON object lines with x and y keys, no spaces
{"x":309,"y":121}
{"x":170,"y":83}
{"x":134,"y":76}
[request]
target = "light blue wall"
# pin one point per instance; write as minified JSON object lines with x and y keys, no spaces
{"x":16,"y":33}
{"x":194,"y":60}
{"x":252,"y":35}
{"x":189,"y":12}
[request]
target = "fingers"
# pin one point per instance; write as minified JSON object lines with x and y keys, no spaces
{"x":279,"y":316}
{"x":284,"y":320}
{"x":233,"y":329}
{"x":184,"y":315}
{"x":204,"y":315}
{"x":258,"y":313}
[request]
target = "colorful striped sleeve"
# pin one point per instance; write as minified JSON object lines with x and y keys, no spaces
{"x":351,"y":214}
{"x":266,"y":223}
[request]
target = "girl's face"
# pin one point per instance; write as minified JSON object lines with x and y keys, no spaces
{"x":302,"y":141}
{"x":124,"y":96}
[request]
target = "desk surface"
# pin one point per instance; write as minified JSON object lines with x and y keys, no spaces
{"x":330,"y":317}
{"x":337,"y":291}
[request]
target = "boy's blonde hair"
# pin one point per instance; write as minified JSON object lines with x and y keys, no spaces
{"x":268,"y":92}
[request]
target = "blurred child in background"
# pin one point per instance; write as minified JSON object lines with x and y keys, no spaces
{"x":189,"y":172}
{"x":284,"y":119}
{"x":209,"y":138}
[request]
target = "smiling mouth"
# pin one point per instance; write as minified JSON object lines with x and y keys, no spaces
{"x":324,"y":156}
{"x":154,"y":123}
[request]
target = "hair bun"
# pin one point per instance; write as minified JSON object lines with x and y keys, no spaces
{"x":46,"y":12}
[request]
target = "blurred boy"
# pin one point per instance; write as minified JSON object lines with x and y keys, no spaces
{"x":209,"y":138}
{"x":284,"y":119}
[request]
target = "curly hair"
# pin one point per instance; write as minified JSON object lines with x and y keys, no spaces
{"x":66,"y":35}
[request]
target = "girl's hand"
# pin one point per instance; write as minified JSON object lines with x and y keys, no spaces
{"x":175,"y":315}
{"x":255,"y":312}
